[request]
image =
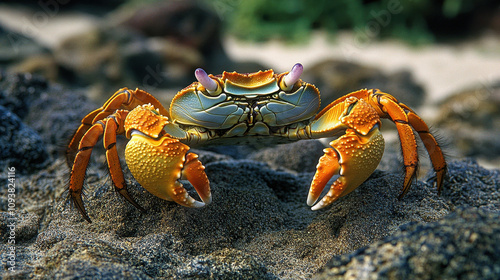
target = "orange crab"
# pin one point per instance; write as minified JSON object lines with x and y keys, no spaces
{"x":235,"y":108}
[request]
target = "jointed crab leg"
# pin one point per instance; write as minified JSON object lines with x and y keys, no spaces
{"x":405,"y":119}
{"x":122,"y":99}
{"x":431,"y":145}
{"x":407,"y":138}
{"x":109,"y":127}
{"x":82,"y":158}
{"x":114,"y":126}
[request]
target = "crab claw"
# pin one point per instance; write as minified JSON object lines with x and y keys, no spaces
{"x":205,"y":80}
{"x":354,"y":157}
{"x":293,"y":76}
{"x":157,"y":164}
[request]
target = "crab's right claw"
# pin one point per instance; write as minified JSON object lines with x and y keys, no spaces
{"x":157,"y":164}
{"x":353,"y":157}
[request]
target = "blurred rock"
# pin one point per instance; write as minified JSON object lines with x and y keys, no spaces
{"x":57,"y":114}
{"x":15,"y":47}
{"x":470,"y":120}
{"x":335,"y":78}
{"x":185,"y":22}
{"x":52,"y":112}
{"x":47,"y":66}
{"x":21,"y":54}
{"x":110,"y":58}
{"x":20,"y":146}
{"x":188,"y":35}
{"x":19,"y":91}
{"x":463,"y":245}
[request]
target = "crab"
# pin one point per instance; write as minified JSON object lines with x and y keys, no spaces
{"x":235,"y":108}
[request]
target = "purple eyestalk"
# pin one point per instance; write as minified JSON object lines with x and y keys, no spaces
{"x":205,"y":80}
{"x":294,"y":75}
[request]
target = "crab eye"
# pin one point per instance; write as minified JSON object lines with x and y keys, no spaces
{"x":292,"y":77}
{"x":349,"y":109}
{"x":212,"y":86}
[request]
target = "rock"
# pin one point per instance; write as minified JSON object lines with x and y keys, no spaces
{"x":462,"y":245}
{"x":57,"y":114}
{"x":470,"y":120}
{"x":18,"y":91}
{"x":26,"y":225}
{"x":22,"y":54}
{"x":471,"y":185}
{"x":54,"y":113}
{"x":20,"y":146}
{"x":186,"y":22}
{"x":44,"y":65}
{"x":257,"y":225}
{"x":224,"y":264}
{"x":335,"y":78}
{"x":188,"y":36}
{"x":15,"y":47}
{"x":111,"y":58}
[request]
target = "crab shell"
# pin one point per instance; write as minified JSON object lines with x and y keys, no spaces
{"x":244,"y":106}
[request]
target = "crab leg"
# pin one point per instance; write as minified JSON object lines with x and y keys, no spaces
{"x":108,"y":127}
{"x":408,"y":142}
{"x":157,"y":164}
{"x":73,"y":146}
{"x":122,"y":99}
{"x":114,"y":126}
{"x":81,"y":161}
{"x":432,"y":147}
{"x":354,"y":157}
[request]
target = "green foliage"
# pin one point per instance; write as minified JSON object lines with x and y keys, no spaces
{"x":293,"y":20}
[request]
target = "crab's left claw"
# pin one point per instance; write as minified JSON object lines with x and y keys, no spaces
{"x":158,"y":164}
{"x":353,"y":157}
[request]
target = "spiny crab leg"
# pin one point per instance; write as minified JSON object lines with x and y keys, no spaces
{"x":108,"y":127}
{"x":124,"y":98}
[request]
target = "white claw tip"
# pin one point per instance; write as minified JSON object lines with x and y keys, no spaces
{"x":205,"y":80}
{"x":318,"y":206}
{"x":294,"y":75}
{"x":197,"y":204}
{"x":310,"y":200}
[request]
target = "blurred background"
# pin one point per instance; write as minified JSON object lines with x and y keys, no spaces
{"x":440,"y":57}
